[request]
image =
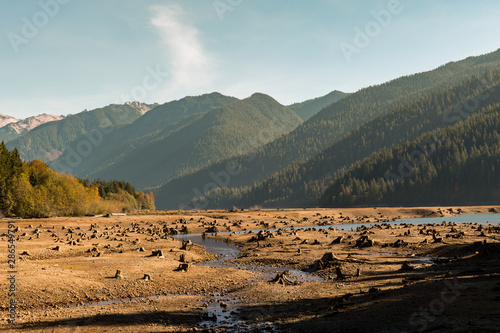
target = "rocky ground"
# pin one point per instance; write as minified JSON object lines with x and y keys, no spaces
{"x":127,"y":273}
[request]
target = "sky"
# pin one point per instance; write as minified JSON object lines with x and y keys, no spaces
{"x":64,"y":56}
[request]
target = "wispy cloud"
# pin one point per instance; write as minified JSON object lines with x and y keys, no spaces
{"x":190,"y":67}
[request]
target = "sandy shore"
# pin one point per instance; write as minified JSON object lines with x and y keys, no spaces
{"x":439,"y":278}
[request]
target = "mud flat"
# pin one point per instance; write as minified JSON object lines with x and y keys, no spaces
{"x":140,"y":274}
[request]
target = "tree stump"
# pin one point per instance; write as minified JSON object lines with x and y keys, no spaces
{"x":182,"y":268}
{"x":182,"y":258}
{"x":328,"y":256}
{"x":338,"y":272}
{"x":405,"y":267}
{"x":282,"y":278}
{"x":118,"y":274}
{"x":364,"y":241}
{"x":157,"y":253}
{"x":186,"y":245}
{"x":337,"y":240}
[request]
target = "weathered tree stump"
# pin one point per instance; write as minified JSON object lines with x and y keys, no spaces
{"x":405,"y":267}
{"x":337,"y":240}
{"x":212,"y":229}
{"x":436,"y":239}
{"x":282,"y":278}
{"x":182,"y":268}
{"x":118,"y":274}
{"x":327,"y":260}
{"x":482,"y":248}
{"x":399,"y":243}
{"x":338,"y":272}
{"x":364,"y":241}
{"x":182,"y":258}
{"x":186,"y":245}
{"x":328,"y":256}
{"x":157,"y":253}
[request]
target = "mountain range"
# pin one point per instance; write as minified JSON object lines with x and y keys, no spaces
{"x":48,"y":141}
{"x":166,"y":143}
{"x":11,"y":128}
{"x":5,"y":120}
{"x":315,"y":136}
{"x":216,"y":151}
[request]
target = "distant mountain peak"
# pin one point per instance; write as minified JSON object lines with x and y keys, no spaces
{"x":142,"y":108}
{"x":259,"y":94}
{"x":32,"y":122}
{"x":5,"y":120}
{"x":309,"y":108}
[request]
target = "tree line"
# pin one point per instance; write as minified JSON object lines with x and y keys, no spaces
{"x":32,"y":189}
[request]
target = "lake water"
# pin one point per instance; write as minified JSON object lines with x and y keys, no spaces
{"x":229,"y":251}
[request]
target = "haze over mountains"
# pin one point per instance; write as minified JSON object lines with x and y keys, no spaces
{"x":216,"y":151}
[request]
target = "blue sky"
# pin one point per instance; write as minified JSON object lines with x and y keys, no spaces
{"x":64,"y":56}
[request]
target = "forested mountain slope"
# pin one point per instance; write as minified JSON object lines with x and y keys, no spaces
{"x":303,"y":183}
{"x":48,"y":141}
{"x":114,"y":144}
{"x":329,"y":125}
{"x":455,"y":165}
{"x":309,"y":108}
{"x":196,"y":140}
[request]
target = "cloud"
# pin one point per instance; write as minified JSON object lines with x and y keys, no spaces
{"x":189,"y":64}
